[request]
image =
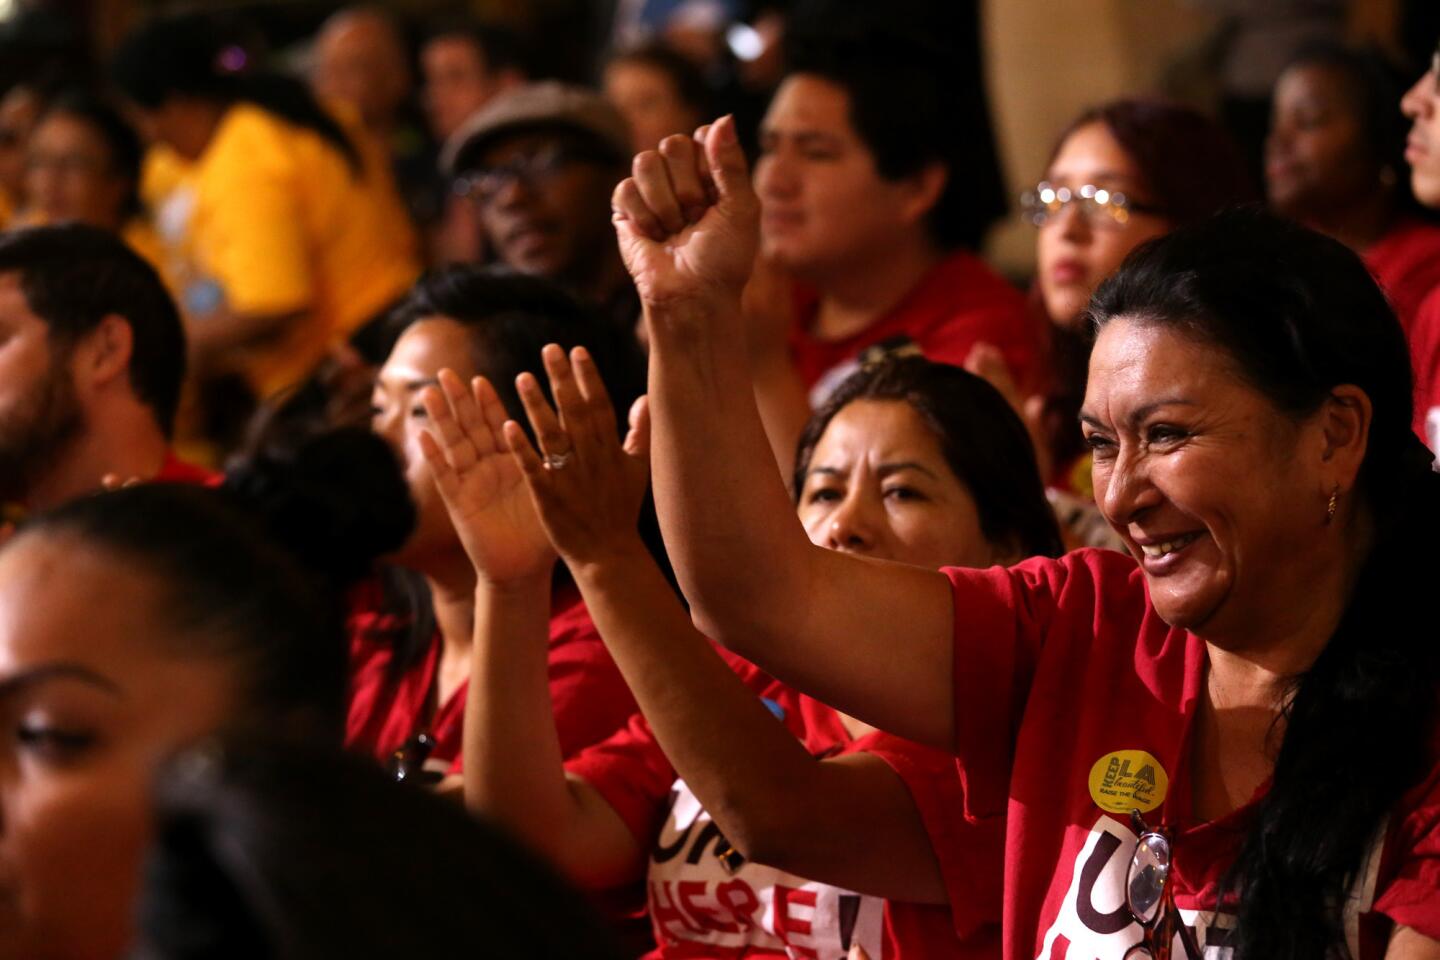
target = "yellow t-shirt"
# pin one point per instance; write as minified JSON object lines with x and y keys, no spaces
{"x":281,"y":224}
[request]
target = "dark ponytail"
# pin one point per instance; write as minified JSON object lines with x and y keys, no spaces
{"x":1300,"y":315}
{"x":195,"y":55}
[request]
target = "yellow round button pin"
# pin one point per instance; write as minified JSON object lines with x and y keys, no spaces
{"x":1126,"y":780}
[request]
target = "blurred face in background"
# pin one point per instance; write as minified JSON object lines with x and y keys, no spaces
{"x":19,"y":111}
{"x":1080,"y":246}
{"x":360,"y":59}
{"x":1316,"y":156}
{"x":458,"y":82}
{"x":425,"y":348}
{"x":71,"y":174}
{"x":825,"y":208}
{"x":1421,"y":104}
{"x":648,"y":99}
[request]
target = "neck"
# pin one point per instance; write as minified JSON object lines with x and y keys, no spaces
{"x":856,"y":294}
{"x":1360,"y":223}
{"x":125,"y":443}
{"x":452,"y":591}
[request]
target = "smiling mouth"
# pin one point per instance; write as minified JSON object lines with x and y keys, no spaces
{"x":1157,"y":550}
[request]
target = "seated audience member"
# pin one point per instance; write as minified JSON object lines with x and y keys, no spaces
{"x":1165,"y":725}
{"x":270,"y":850}
{"x":1120,"y":174}
{"x":862,"y":176}
{"x":83,"y":165}
{"x":93,"y":363}
{"x":658,"y":92}
{"x":1335,"y":161}
{"x":1421,"y":104}
{"x":464,"y":67}
{"x":910,"y":461}
{"x":20,"y":108}
{"x":295,"y":234}
{"x":411,"y":651}
{"x":539,"y":164}
{"x":133,"y":623}
{"x":362,"y":60}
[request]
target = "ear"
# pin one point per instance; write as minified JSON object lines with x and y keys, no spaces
{"x":923,"y":191}
{"x":1344,"y":422}
{"x":104,"y":355}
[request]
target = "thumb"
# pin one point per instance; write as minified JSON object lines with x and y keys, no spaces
{"x":857,"y":952}
{"x":727,"y":163}
{"x":637,"y":441}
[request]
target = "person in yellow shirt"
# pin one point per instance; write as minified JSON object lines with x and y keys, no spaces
{"x":292,"y":234}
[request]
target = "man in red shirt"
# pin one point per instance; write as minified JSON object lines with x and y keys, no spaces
{"x":92,"y":355}
{"x":1421,"y":104}
{"x":871,"y":195}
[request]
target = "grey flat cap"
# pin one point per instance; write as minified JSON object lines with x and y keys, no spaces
{"x":550,"y":104}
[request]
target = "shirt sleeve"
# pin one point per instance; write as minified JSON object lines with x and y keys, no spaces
{"x":1002,"y":619}
{"x":970,"y":851}
{"x":253,"y":242}
{"x":587,"y":691}
{"x":1411,"y":894}
{"x":632,"y":774}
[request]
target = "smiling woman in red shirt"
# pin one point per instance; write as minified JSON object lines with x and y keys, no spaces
{"x":1248,"y":406}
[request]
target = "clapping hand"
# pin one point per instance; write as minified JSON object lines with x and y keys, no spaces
{"x":586,"y":485}
{"x":480,"y":482}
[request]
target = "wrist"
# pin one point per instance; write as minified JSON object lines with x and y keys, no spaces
{"x":523,"y":586}
{"x":706,"y":316}
{"x":616,"y":557}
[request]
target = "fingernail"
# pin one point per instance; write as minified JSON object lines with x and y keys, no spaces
{"x":727,"y":129}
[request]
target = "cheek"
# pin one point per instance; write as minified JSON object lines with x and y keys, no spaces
{"x":75,"y":842}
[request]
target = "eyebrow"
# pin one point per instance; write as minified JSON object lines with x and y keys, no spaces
{"x":803,"y":137}
{"x":17,"y":683}
{"x":883,"y":471}
{"x":409,"y":386}
{"x":1140,"y":414}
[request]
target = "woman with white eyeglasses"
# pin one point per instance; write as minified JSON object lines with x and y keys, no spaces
{"x":1121,"y":173}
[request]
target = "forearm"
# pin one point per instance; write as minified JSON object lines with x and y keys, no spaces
{"x":513,"y":769}
{"x":771,"y":799}
{"x":729,"y":525}
{"x":212,"y":336}
{"x":784,"y":406}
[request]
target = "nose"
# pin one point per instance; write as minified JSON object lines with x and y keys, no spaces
{"x":1415,"y":101}
{"x":1123,"y":490}
{"x":775,"y":177}
{"x":1071,"y":223}
{"x":850,"y":527}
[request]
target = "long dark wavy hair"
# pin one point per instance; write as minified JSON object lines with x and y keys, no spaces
{"x":1300,"y":315}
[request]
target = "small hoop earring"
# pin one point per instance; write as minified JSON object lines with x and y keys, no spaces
{"x":1333,"y":504}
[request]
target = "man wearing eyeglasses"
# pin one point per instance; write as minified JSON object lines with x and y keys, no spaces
{"x":539,"y":163}
{"x":1421,"y":104}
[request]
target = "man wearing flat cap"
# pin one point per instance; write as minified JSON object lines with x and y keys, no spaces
{"x":540,"y":163}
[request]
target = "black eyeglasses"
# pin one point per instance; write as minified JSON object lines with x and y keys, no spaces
{"x":484,"y":184}
{"x":1099,"y":206}
{"x":1151,"y":901}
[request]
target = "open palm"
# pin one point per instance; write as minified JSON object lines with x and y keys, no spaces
{"x":482,"y":487}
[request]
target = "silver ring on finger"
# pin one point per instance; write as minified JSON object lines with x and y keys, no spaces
{"x":558,"y":461}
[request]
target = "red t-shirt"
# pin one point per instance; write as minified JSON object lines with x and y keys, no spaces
{"x":960,"y":303}
{"x":1424,"y":337}
{"x":1406,"y":262}
{"x":698,"y":909}
{"x":1075,"y":703}
{"x":590,"y":697}
{"x":175,"y":470}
